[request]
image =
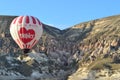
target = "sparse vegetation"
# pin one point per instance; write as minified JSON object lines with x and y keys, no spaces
{"x":100,"y":64}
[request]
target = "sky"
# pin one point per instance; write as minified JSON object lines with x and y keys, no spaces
{"x":61,"y":14}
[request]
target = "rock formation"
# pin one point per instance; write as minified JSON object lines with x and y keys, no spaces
{"x":85,"y":51}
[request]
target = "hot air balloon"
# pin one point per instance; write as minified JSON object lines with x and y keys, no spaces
{"x":26,"y":31}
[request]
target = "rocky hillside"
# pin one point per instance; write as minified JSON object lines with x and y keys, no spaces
{"x":85,"y":51}
{"x":99,"y":55}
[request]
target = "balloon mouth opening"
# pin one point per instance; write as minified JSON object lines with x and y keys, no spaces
{"x":26,"y":51}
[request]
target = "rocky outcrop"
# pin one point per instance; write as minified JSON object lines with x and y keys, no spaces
{"x":105,"y":74}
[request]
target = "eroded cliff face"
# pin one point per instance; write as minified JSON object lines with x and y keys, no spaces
{"x":83,"y":51}
{"x":99,"y":50}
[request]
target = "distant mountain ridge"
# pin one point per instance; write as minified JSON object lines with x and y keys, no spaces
{"x":78,"y":28}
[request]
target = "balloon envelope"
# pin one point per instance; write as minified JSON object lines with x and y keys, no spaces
{"x":26,"y":31}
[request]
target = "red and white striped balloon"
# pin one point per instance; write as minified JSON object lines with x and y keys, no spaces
{"x":26,"y":31}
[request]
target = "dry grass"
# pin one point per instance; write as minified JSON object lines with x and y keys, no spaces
{"x":100,"y":64}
